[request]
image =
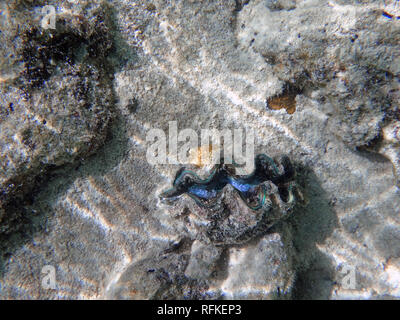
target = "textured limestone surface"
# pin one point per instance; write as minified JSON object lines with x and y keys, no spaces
{"x":56,"y":103}
{"x":259,"y":271}
{"x":317,"y":80}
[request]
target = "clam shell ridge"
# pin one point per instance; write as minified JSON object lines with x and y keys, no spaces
{"x":236,"y":208}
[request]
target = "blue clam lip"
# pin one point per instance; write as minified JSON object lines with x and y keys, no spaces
{"x":248,"y":187}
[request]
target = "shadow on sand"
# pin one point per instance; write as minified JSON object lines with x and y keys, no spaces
{"x":311,"y":225}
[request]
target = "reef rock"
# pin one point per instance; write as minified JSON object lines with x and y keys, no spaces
{"x":316,"y":80}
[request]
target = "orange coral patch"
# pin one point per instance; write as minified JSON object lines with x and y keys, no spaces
{"x":285,"y":101}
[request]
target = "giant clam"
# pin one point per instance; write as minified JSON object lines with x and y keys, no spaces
{"x":233,"y":209}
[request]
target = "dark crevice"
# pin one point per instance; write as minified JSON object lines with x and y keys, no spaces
{"x":239,"y":4}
